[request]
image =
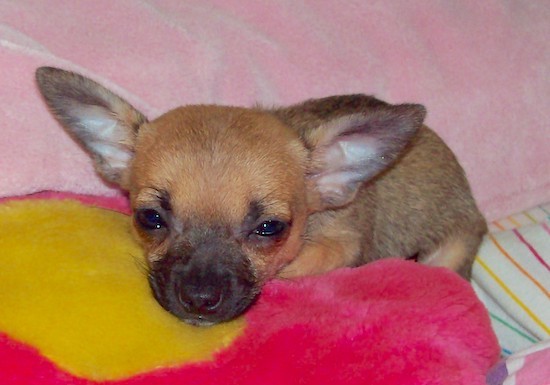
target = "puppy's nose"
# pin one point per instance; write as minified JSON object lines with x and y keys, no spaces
{"x":201,"y":300}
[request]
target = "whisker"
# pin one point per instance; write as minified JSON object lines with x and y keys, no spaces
{"x":141,"y":265}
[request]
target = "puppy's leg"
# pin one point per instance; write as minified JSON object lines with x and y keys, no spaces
{"x":456,"y":253}
{"x":323,"y":254}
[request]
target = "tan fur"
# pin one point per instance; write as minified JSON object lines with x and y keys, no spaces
{"x":211,"y":165}
{"x":416,"y":206}
{"x":271,"y":161}
{"x":224,"y":174}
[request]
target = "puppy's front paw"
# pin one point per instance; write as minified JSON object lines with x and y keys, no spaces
{"x":317,"y":258}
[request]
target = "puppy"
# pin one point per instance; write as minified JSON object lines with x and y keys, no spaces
{"x":226,"y":198}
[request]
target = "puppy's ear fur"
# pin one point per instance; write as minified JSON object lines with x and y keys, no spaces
{"x":103,"y":123}
{"x":350,"y":144}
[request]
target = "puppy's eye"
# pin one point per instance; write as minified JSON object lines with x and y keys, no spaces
{"x":150,"y":219}
{"x":270,"y":228}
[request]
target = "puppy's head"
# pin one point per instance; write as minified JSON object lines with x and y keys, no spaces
{"x":218,"y":197}
{"x":221,"y":195}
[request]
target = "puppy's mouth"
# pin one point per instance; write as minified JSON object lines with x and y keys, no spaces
{"x":202,"y":294}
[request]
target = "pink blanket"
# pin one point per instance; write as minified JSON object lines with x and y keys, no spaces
{"x":481,"y":68}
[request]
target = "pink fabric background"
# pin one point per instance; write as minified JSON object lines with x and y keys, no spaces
{"x":481,"y":68}
{"x":535,"y":369}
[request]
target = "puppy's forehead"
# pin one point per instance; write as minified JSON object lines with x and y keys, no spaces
{"x":214,"y":160}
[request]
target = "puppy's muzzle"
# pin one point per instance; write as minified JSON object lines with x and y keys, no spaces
{"x":201,"y":289}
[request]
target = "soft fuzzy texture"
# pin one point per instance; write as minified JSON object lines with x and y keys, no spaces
{"x":390,"y":322}
{"x":74,"y":285}
{"x":481,"y":68}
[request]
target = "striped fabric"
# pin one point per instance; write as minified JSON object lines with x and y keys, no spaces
{"x":511,"y":275}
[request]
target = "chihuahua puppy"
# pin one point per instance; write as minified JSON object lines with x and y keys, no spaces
{"x":226,"y":198}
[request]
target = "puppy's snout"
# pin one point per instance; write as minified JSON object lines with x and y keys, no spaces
{"x":201,"y":300}
{"x":203,"y":291}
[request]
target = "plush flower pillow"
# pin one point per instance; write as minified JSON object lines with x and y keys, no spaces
{"x":75,"y":308}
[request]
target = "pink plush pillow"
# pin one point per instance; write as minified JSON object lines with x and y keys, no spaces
{"x":389,"y":322}
{"x":481,"y":69}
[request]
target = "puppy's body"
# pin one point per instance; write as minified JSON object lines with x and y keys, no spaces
{"x":225,"y":198}
{"x":385,"y":218}
{"x":425,"y":192}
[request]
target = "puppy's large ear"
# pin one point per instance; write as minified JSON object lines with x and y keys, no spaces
{"x":103,"y":123}
{"x":351,"y":139}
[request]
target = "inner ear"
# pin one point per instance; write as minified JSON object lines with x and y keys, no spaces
{"x":104,"y":124}
{"x":350,"y":150}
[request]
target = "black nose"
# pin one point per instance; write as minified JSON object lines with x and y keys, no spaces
{"x":200,"y":300}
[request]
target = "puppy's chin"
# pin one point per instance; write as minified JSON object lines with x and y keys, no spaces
{"x":205,"y":321}
{"x":213,"y":319}
{"x":227,"y":313}
{"x":199,"y":322}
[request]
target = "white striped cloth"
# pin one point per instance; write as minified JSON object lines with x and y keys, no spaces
{"x":511,"y":275}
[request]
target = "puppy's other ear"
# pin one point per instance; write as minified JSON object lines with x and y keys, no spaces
{"x":352,"y":143}
{"x":103,"y":123}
